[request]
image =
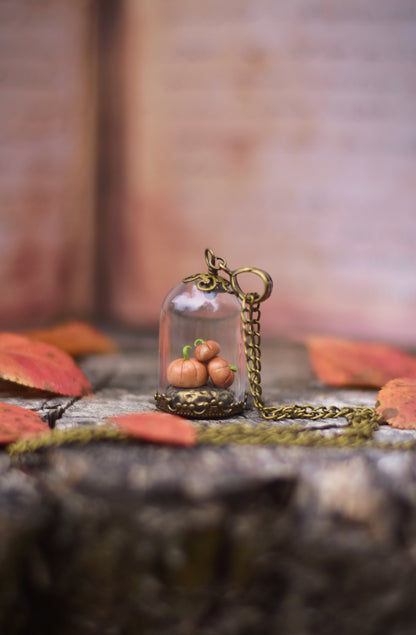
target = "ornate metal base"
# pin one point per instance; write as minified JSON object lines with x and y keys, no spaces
{"x":199,"y":403}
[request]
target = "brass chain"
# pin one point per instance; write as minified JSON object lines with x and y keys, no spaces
{"x":363,"y":420}
{"x":250,"y":315}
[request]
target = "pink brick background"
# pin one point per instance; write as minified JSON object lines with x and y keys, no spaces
{"x":281,"y":134}
{"x":47,"y":123}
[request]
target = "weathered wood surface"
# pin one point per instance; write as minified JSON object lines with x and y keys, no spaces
{"x":117,"y":538}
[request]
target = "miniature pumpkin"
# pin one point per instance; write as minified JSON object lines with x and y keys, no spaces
{"x":221,"y":372}
{"x":185,"y":372}
{"x":206,"y":350}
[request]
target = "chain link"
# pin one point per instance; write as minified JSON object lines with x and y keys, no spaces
{"x":250,"y":317}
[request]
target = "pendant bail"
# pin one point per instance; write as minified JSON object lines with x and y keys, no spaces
{"x":255,"y":297}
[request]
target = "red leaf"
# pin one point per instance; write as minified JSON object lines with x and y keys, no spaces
{"x":75,"y":338}
{"x":342,"y":362}
{"x":158,"y":427}
{"x":40,"y":366}
{"x":16,"y":423}
{"x":396,"y":403}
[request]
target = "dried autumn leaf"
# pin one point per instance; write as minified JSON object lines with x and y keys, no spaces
{"x":17,"y":422}
{"x":40,"y":366}
{"x":75,"y":338}
{"x":396,"y":403}
{"x":342,"y":362}
{"x":158,"y":427}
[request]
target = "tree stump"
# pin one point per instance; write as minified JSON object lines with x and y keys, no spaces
{"x":121,"y":538}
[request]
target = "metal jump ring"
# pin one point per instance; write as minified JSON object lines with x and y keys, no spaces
{"x":257,"y":297}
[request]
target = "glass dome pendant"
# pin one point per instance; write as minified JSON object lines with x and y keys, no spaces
{"x":203,"y":344}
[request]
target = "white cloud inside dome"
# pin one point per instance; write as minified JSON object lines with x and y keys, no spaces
{"x":195,"y":300}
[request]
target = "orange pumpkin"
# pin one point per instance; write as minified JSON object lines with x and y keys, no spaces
{"x":220,"y":371}
{"x":185,"y":372}
{"x":206,"y":349}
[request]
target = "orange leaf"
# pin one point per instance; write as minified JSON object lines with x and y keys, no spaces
{"x":158,"y":427}
{"x":16,"y":423}
{"x":341,"y":362}
{"x":396,"y":403}
{"x":40,"y":366}
{"x":75,"y":338}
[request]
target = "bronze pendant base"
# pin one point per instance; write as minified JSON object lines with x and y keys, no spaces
{"x":199,"y":403}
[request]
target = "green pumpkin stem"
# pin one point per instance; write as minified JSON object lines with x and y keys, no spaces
{"x":233,"y":368}
{"x":185,"y":352}
{"x":199,"y":341}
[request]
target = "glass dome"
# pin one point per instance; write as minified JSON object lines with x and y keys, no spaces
{"x":202,"y":361}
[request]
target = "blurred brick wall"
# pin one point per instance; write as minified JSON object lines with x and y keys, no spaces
{"x":47,"y":129}
{"x":283,"y":135}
